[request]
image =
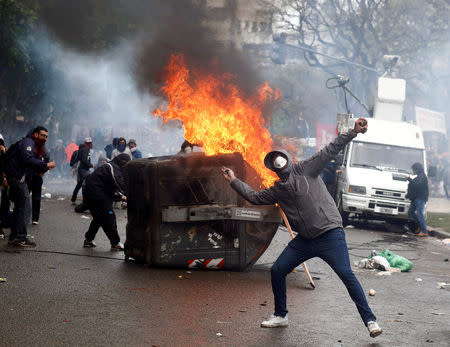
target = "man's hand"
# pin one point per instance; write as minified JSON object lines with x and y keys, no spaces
{"x":51,"y":165}
{"x":228,"y":174}
{"x":123,"y":198}
{"x":360,"y":126}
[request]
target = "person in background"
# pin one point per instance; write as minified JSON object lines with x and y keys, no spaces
{"x":312,"y":213}
{"x":111,"y":147}
{"x":84,"y":157}
{"x":59,"y":156}
{"x":4,"y":203}
{"x":104,"y":186}
{"x":71,"y":147}
{"x":24,"y":156}
{"x":122,"y":148}
{"x":446,"y":177}
{"x":418,"y":194}
{"x":135,"y":153}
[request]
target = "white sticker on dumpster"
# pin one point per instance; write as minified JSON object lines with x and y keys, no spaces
{"x":248,"y":213}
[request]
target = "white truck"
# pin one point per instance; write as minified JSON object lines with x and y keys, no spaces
{"x":371,"y":175}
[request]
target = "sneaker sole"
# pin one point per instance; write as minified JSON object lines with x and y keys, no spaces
{"x":283,"y":325}
{"x":376,"y":333}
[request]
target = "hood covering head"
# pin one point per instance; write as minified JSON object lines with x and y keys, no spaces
{"x":277,"y":158}
{"x":417,"y":168}
{"x":115,"y":141}
{"x":121,"y":159}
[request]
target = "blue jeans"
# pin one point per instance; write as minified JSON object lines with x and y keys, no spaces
{"x":416,"y":212}
{"x":332,"y":248}
{"x":22,"y":209}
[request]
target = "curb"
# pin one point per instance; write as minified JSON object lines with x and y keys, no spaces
{"x":440,"y":233}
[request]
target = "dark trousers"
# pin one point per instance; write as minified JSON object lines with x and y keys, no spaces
{"x":4,"y":209}
{"x":102,"y":216}
{"x":20,"y":195}
{"x":35,"y":187}
{"x":332,"y":248}
{"x":415,"y":211}
{"x":82,"y":174}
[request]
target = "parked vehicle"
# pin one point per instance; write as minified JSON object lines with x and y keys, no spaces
{"x":371,"y":174}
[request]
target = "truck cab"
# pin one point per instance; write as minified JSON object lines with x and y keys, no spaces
{"x":372,"y":176}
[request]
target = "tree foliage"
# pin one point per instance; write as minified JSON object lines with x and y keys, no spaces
{"x":362,"y":31}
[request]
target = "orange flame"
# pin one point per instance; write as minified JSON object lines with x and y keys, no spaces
{"x":217,"y":116}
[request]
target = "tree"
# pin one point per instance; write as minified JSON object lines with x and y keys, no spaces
{"x":362,"y":31}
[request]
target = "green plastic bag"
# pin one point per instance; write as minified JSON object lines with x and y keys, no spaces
{"x":396,"y":260}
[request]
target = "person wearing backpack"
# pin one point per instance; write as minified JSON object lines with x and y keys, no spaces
{"x":22,"y":156}
{"x":100,"y":189}
{"x":83,"y":156}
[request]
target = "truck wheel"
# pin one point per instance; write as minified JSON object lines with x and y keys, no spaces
{"x":344,"y":215}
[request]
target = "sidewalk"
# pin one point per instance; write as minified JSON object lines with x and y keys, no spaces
{"x":439,"y":205}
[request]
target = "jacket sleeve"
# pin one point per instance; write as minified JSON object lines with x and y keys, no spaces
{"x":320,"y":160}
{"x":28,"y":156}
{"x":262,"y":197}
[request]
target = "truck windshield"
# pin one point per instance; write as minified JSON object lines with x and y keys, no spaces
{"x":384,"y":157}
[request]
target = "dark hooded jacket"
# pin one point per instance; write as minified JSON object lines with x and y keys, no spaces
{"x":418,"y":187}
{"x":107,"y":183}
{"x":24,"y":156}
{"x":111,"y":147}
{"x":84,"y":153}
{"x":301,"y":193}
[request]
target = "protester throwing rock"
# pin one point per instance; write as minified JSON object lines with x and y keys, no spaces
{"x":312,"y":213}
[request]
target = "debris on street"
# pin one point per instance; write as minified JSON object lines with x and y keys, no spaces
{"x":2,"y":279}
{"x":442,"y":285}
{"x":396,"y":260}
{"x":372,"y":292}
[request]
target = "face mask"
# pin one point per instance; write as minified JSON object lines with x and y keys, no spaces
{"x":39,"y":142}
{"x":121,"y":147}
{"x":133,"y":149}
{"x":279,"y":162}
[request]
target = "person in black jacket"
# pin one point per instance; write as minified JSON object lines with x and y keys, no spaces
{"x":84,"y":157}
{"x":101,"y":188}
{"x":35,"y":179}
{"x":4,"y":202}
{"x":418,"y":194}
{"x":24,"y":155}
{"x":312,"y":213}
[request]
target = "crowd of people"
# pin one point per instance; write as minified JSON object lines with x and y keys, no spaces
{"x":24,"y":164}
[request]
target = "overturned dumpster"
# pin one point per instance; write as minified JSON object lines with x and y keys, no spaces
{"x":183,"y":213}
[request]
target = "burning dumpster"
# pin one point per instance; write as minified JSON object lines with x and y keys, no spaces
{"x":183,"y":213}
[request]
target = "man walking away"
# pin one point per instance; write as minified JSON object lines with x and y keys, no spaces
{"x":24,"y":155}
{"x":418,"y":194}
{"x":84,"y":158}
{"x":101,"y":188}
{"x":312,"y":213}
{"x":135,"y":153}
{"x":59,"y":156}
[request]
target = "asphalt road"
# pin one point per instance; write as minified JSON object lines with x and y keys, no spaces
{"x":62,"y":294}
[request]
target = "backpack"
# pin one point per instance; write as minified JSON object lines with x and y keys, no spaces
{"x":74,"y":158}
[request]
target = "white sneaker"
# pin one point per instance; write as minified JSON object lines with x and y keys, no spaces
{"x":118,"y":247}
{"x":275,"y":321}
{"x":374,"y":329}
